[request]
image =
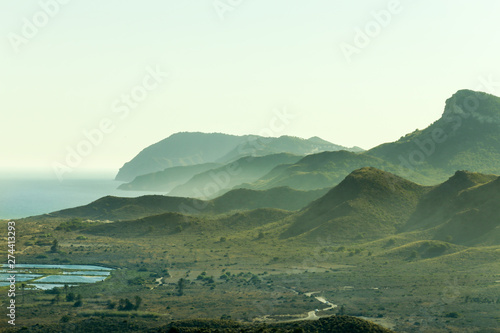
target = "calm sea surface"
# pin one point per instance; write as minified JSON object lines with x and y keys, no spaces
{"x":28,"y":197}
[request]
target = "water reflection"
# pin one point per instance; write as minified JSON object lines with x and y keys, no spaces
{"x":70,"y":275}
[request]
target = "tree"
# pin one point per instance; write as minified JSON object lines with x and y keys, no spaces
{"x":138,"y":301}
{"x":56,"y":299}
{"x":55,"y":246}
{"x":180,"y":286}
{"x":125,"y":305}
{"x":70,"y":297}
{"x":65,"y":319}
{"x":23,"y":288}
{"x":111,"y":305}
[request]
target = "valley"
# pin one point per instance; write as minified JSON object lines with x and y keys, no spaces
{"x":260,"y":265}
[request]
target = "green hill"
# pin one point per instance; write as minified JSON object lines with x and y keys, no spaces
{"x":474,"y":216}
{"x":370,"y":203}
{"x":117,"y":208}
{"x":172,"y":223}
{"x":440,"y":202}
{"x":367,"y":203}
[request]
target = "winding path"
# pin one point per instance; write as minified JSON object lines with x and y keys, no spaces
{"x":311,"y":315}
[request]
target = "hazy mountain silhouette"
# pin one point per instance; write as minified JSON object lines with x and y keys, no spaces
{"x":184,"y":149}
{"x":245,"y":169}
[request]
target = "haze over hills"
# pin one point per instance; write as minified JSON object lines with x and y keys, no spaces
{"x":284,"y":144}
{"x":166,"y":180}
{"x":246,"y":169}
{"x":322,"y":170}
{"x":466,"y":137}
{"x":368,"y":204}
{"x":180,"y":149}
{"x":184,"y":149}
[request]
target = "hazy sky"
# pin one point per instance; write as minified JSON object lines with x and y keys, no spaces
{"x":346,"y":73}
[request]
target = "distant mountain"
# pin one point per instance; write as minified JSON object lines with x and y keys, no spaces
{"x":180,"y":149}
{"x":166,"y":180}
{"x":321,"y":170}
{"x":116,"y":208}
{"x":245,"y":169}
{"x":184,"y":149}
{"x":466,"y":137}
{"x":284,"y":144}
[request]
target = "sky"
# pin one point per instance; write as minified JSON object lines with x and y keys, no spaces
{"x":86,"y":85}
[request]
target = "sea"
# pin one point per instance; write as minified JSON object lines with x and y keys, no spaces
{"x":23,"y":197}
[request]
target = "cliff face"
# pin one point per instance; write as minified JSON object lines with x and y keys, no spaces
{"x":466,"y":137}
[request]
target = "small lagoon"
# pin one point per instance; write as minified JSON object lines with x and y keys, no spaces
{"x":71,"y":275}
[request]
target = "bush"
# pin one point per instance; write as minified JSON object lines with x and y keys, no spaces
{"x":65,"y":319}
{"x":111,"y":305}
{"x":70,"y":297}
{"x":71,"y":225}
{"x":137,"y":281}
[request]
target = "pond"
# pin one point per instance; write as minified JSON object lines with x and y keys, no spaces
{"x":39,"y":276}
